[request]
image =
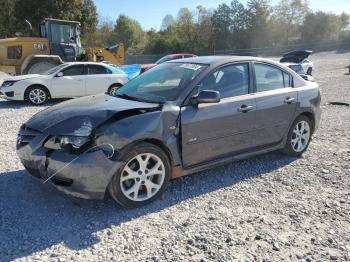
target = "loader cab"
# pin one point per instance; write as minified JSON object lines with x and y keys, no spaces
{"x":64,"y":38}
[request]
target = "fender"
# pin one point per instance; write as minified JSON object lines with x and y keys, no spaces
{"x":31,"y":59}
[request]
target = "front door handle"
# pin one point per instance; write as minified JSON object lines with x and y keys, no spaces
{"x":245,"y":108}
{"x":289,"y":100}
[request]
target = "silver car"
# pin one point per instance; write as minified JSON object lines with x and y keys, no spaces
{"x":178,"y":118}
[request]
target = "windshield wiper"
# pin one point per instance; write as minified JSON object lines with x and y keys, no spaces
{"x":125,"y":96}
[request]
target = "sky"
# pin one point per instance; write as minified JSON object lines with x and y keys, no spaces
{"x":150,"y":13}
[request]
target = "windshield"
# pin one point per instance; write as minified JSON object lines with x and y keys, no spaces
{"x":164,"y":59}
{"x":62,"y":33}
{"x":162,"y":83}
{"x":54,"y":69}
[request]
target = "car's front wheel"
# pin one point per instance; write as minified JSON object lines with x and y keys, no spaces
{"x":37,"y":95}
{"x":143,"y":177}
{"x":299,"y":137}
{"x":113,"y":88}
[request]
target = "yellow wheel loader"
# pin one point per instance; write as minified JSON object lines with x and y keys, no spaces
{"x":58,"y":42}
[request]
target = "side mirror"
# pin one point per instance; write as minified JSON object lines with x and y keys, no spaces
{"x":59,"y":74}
{"x":206,"y":96}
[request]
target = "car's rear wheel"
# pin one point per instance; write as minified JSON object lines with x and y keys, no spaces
{"x":143,"y":177}
{"x":37,"y":95}
{"x":299,"y":137}
{"x":113,"y":88}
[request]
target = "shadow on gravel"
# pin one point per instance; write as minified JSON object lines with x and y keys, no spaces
{"x":34,"y":216}
{"x":5,"y":104}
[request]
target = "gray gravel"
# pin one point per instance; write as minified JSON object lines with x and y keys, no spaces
{"x":267,"y":208}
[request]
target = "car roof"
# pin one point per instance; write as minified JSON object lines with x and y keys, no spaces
{"x":211,"y":60}
{"x":85,"y":63}
{"x":181,"y":54}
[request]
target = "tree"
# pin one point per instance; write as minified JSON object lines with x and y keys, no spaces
{"x":321,"y":26}
{"x":34,"y":12}
{"x":204,"y":29}
{"x":168,"y":20}
{"x":186,"y":29}
{"x":7,"y":20}
{"x":130,"y":33}
{"x":88,"y":21}
{"x":258,"y":15}
{"x":222,"y":25}
{"x":103,"y":36}
{"x":288,"y":16}
{"x":239,"y":25}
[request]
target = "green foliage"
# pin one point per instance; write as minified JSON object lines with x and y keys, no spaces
{"x":7,"y":21}
{"x":229,"y":26}
{"x":130,"y":33}
{"x":14,"y":12}
{"x":323,"y":26}
{"x":89,"y":20}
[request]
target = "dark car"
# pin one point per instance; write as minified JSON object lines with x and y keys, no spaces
{"x":164,"y":59}
{"x":182,"y":117}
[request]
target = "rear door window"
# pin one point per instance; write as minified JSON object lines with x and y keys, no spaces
{"x":98,"y":70}
{"x":268,"y":77}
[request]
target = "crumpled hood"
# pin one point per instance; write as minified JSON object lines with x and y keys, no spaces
{"x":22,"y":77}
{"x":67,"y":116}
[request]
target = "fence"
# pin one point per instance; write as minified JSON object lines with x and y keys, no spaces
{"x":271,"y":51}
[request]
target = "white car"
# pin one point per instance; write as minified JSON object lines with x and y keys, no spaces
{"x":300,"y":58}
{"x":67,"y":80}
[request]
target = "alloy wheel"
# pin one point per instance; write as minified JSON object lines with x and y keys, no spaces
{"x":300,"y":136}
{"x":37,"y":96}
{"x":113,"y":90}
{"x":142,"y":177}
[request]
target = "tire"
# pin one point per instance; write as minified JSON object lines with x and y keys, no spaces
{"x":133,"y":185}
{"x":37,"y":95}
{"x":299,"y":137}
{"x":39,"y":68}
{"x":112,"y":88}
{"x":309,"y":71}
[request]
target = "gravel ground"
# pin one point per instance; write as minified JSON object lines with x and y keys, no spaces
{"x":267,"y":208}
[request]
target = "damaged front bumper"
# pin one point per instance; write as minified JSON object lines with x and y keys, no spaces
{"x":86,"y":175}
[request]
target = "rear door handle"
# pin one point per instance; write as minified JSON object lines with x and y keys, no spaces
{"x":245,"y":108}
{"x":289,"y":100}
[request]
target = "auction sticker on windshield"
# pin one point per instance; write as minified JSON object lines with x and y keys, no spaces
{"x":191,"y":66}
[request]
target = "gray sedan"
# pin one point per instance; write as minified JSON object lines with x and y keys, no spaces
{"x":178,"y":118}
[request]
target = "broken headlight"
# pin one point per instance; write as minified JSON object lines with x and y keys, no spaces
{"x":74,"y":141}
{"x":80,"y":136}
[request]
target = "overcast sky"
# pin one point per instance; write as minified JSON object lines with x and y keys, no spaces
{"x":150,"y":13}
